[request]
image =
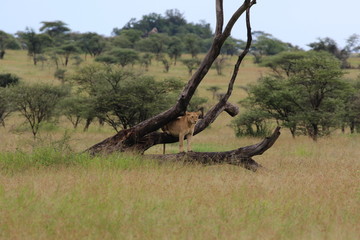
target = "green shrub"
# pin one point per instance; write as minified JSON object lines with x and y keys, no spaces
{"x":252,"y":123}
{"x":8,"y":79}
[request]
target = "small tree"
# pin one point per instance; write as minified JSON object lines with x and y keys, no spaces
{"x":282,"y":64}
{"x":191,"y":64}
{"x":135,"y":100}
{"x":329,"y":45}
{"x":219,"y":64}
{"x":5,"y":106}
{"x":67,"y":50}
{"x":155,"y":43}
{"x":145,"y":60}
{"x":3,"y":42}
{"x":120,"y":56}
{"x":121,"y":97}
{"x":60,"y":74}
{"x":126,"y":38}
{"x":7,"y":41}
{"x":252,"y":123}
{"x":76,"y":109}
{"x":320,"y":92}
{"x":273,"y":95}
{"x":175,"y":49}
{"x":35,"y":43}
{"x":37,"y":103}
{"x":308,"y":99}
{"x":266,"y":45}
{"x":352,"y":113}
{"x":92,"y":44}
{"x":192,"y":44}
{"x":166,"y":63}
{"x":214,"y":90}
{"x":41,"y":58}
{"x":231,"y":46}
{"x":8,"y":79}
{"x":54,"y":29}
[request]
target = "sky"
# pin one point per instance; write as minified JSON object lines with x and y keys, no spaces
{"x":298,"y":22}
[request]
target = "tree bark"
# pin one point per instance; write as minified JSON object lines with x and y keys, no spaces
{"x":144,"y":135}
{"x":240,"y":157}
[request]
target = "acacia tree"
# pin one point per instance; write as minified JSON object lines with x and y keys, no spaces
{"x":119,"y":56}
{"x":175,"y":48}
{"x":192,"y":44}
{"x":66,"y":51}
{"x":92,"y":43}
{"x":35,"y":43}
{"x":5,"y":107}
{"x":144,"y":135}
{"x":3,"y":41}
{"x":351,"y":115}
{"x":191,"y":64}
{"x":36,"y":103}
{"x":306,"y":93}
{"x":54,"y":29}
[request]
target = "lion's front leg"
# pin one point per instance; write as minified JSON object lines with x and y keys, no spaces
{"x":181,"y":142}
{"x":189,"y":138}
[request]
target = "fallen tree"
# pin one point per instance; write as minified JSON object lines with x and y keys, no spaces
{"x":145,"y":135}
{"x":241,"y":156}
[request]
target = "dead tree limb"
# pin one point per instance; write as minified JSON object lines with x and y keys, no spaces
{"x":144,"y":135}
{"x":241,"y":156}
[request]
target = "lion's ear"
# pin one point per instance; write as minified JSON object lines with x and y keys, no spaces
{"x":187,"y":113}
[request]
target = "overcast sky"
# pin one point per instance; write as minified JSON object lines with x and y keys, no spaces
{"x":299,"y":22}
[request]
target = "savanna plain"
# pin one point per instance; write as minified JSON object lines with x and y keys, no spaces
{"x":50,"y":190}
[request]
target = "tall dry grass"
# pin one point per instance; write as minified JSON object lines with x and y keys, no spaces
{"x":307,"y":192}
{"x":49,"y":191}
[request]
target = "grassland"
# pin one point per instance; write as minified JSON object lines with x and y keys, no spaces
{"x":49,"y":191}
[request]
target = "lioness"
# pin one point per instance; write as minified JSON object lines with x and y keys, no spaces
{"x":183,"y":127}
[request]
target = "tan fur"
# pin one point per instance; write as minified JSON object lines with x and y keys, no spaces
{"x":183,"y":127}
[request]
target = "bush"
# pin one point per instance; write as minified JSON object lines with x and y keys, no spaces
{"x":36,"y":103}
{"x":7,"y":79}
{"x":123,"y":98}
{"x":252,"y":123}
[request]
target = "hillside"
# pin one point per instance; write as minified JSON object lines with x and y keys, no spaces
{"x":19,"y":63}
{"x":309,"y":190}
{"x":219,"y":136}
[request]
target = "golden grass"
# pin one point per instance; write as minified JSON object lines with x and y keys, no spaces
{"x":308,"y":190}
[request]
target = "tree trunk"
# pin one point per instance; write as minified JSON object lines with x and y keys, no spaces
{"x":144,"y":135}
{"x":314,"y":132}
{"x":352,"y":127}
{"x":35,"y":59}
{"x":2,"y":54}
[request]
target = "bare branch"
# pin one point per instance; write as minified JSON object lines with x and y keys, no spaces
{"x":222,"y":105}
{"x":219,"y":17}
{"x":213,"y":113}
{"x":213,"y":53}
{"x":229,"y":26}
{"x":241,"y":56}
